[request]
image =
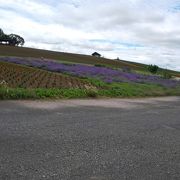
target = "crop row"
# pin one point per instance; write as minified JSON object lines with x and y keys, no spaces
{"x":105,"y":74}
{"x":26,"y":77}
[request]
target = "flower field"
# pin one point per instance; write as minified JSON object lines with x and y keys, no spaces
{"x":26,"y":77}
{"x":105,"y":74}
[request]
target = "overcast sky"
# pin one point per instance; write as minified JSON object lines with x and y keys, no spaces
{"x":145,"y":31}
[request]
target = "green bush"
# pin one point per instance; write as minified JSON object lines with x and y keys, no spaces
{"x":153,"y":68}
{"x":92,"y":93}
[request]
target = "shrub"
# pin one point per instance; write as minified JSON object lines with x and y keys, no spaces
{"x":153,"y":68}
{"x":92,"y":93}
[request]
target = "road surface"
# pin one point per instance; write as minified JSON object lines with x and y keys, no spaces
{"x":112,"y":139}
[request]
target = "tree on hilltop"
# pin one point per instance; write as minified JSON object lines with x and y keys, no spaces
{"x":11,"y":39}
{"x":1,"y":32}
{"x":15,"y":40}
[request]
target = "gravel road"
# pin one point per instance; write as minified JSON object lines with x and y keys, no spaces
{"x":105,"y":139}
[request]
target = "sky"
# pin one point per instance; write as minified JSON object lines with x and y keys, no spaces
{"x":145,"y":31}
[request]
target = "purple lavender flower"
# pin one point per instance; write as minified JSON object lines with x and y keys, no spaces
{"x":105,"y":74}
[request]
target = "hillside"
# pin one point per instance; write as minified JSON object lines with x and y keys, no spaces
{"x":67,"y":57}
{"x":75,"y":58}
{"x":34,"y":73}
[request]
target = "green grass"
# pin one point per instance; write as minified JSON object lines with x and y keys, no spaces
{"x":113,"y":90}
{"x":21,"y":93}
{"x":137,"y":90}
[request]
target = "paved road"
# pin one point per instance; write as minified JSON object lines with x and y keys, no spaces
{"x":115,"y":139}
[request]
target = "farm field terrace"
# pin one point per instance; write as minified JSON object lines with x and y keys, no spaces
{"x":74,"y":58}
{"x":63,"y":56}
{"x":23,"y":78}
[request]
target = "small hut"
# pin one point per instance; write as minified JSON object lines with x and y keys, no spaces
{"x":95,"y":54}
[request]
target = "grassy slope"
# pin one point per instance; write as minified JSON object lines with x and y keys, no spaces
{"x":116,"y":90}
{"x":69,"y":57}
{"x":144,"y":66}
{"x":104,"y":90}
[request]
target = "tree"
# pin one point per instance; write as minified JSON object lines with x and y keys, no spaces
{"x":15,"y":40}
{"x":12,"y":39}
{"x":153,"y":68}
{"x":2,"y":35}
{"x":1,"y":32}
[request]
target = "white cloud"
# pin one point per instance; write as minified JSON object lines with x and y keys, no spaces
{"x":138,"y":30}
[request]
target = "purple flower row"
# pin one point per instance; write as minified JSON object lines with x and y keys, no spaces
{"x":102,"y":73}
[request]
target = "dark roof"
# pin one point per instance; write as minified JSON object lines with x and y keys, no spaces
{"x":95,"y":54}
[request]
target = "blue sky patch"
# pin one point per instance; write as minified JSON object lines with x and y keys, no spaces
{"x":126,"y":44}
